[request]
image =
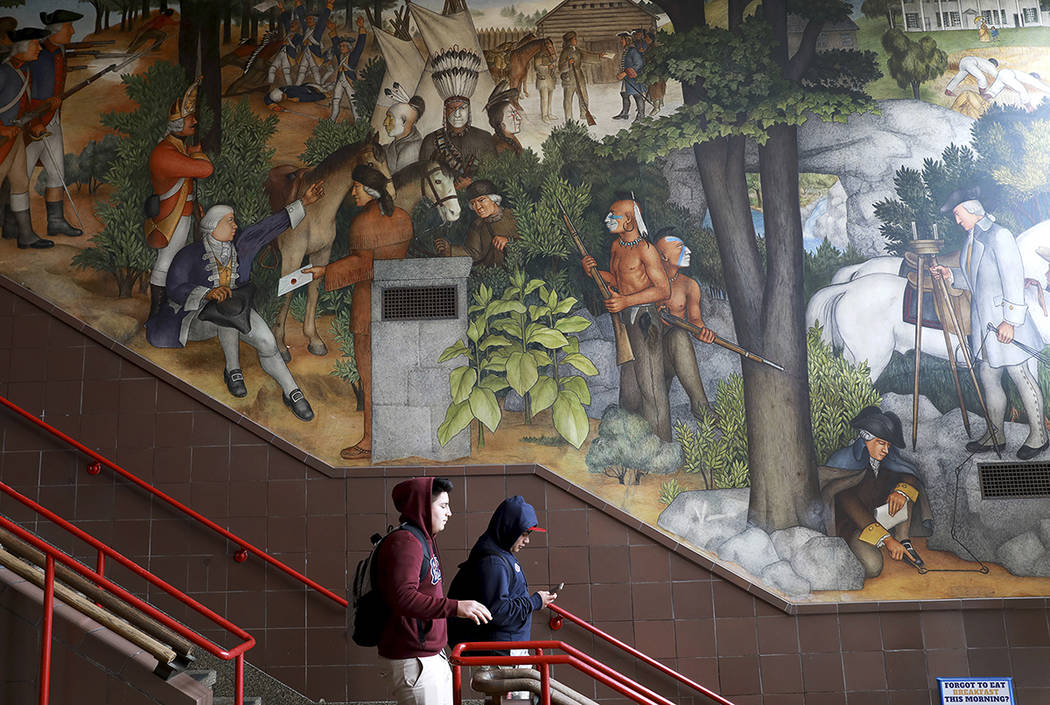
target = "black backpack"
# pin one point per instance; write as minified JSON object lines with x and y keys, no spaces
{"x":369,"y":612}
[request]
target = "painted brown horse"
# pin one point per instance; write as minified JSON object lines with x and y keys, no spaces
{"x":517,"y":60}
{"x":313,"y":237}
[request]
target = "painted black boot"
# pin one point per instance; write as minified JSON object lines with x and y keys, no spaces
{"x":57,"y":223}
{"x":26,"y":236}
{"x":158,"y":296}
{"x":10,"y":225}
{"x":640,"y":105}
{"x":626,"y":108}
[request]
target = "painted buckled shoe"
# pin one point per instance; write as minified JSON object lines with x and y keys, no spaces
{"x":235,"y":382}
{"x":296,"y":401}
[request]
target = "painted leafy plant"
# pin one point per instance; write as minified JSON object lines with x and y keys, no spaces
{"x":541,"y":337}
{"x":474,"y":385}
{"x":523,"y":341}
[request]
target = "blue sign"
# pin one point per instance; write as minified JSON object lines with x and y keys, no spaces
{"x":972,"y":691}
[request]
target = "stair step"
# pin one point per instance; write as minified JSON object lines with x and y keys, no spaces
{"x":204,"y":676}
{"x":226,"y":700}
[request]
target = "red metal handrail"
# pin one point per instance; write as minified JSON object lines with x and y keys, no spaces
{"x":563,"y":614}
{"x":244,"y":547}
{"x":96,"y":576}
{"x":572,"y":657}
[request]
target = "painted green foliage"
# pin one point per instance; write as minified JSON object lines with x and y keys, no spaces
{"x":120,"y":249}
{"x":523,"y":341}
{"x":626,"y":442}
{"x":913,"y":63}
{"x":716,"y":446}
{"x":240,"y":166}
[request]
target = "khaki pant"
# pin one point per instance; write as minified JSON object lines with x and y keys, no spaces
{"x":13,"y":168}
{"x":568,"y":87}
{"x":871,"y":556}
{"x":426,"y":680}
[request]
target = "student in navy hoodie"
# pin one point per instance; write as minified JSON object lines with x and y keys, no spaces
{"x":492,"y":575}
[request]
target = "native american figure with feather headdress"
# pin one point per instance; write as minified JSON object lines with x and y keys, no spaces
{"x":457,"y":143}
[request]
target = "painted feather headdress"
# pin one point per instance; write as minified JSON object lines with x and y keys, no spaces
{"x":456,"y":72}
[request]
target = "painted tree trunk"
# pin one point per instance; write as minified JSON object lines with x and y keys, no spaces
{"x":767,"y":307}
{"x":784,"y":490}
{"x":211,"y":86}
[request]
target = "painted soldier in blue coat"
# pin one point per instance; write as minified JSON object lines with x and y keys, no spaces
{"x":291,"y":44}
{"x":346,"y":53}
{"x":631,"y":63}
{"x":209,"y":296}
{"x":17,"y":122}
{"x":311,"y":53}
{"x":48,"y":83}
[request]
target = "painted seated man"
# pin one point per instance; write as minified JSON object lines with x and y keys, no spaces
{"x":491,"y":231}
{"x":210,"y":296}
{"x":862,"y":477}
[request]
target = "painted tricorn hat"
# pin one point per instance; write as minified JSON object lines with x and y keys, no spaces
{"x":881,"y":424}
{"x":187,"y":104}
{"x":960,"y":195}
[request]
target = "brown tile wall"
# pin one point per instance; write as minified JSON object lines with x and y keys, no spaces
{"x":626,"y":578}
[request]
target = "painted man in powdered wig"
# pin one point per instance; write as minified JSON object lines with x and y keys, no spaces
{"x":868,"y":474}
{"x":457,"y":143}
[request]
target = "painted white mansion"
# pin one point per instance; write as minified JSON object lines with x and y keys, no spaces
{"x":926,"y":15}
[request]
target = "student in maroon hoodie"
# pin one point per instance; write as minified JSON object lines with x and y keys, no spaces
{"x":414,"y":638}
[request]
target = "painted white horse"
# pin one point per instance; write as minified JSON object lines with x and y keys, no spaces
{"x":886,"y":264}
{"x":861,"y":312}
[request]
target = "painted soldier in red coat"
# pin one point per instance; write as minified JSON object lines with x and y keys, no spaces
{"x":174,"y":167}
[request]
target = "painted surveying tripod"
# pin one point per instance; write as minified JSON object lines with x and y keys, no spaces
{"x":926,"y":252}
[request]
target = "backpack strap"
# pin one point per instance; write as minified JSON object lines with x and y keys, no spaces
{"x":424,"y":570}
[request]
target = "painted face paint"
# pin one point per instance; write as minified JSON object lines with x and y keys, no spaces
{"x":512,"y":121}
{"x":684,"y":258}
{"x":612,"y":222}
{"x":459,"y":117}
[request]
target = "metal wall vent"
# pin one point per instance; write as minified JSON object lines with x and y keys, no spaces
{"x":1014,"y":480}
{"x":423,"y":303}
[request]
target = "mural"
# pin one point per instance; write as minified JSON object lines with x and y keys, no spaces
{"x":772,"y":283}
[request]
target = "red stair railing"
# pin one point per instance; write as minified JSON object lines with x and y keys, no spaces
{"x":560,"y":615}
{"x":97,"y":577}
{"x":244,"y":547}
{"x":571,"y":657}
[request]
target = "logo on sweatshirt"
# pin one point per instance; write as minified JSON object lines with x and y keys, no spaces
{"x":435,"y":570}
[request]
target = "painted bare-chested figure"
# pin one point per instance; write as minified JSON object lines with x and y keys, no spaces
{"x":639,"y":285}
{"x":679,"y":355}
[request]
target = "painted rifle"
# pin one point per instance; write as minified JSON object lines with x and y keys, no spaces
{"x":32,"y":114}
{"x":73,"y":46}
{"x":624,"y":353}
{"x":685,"y":325}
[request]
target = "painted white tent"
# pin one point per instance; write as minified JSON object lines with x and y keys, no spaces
{"x":404,"y":65}
{"x":444,"y":32}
